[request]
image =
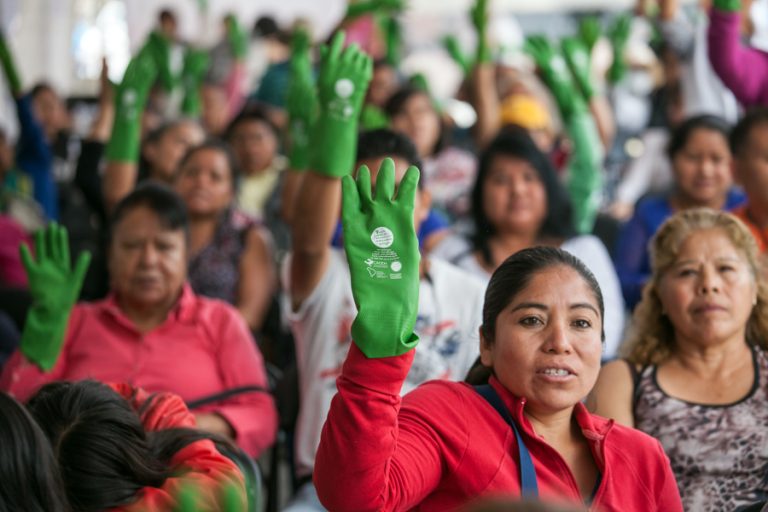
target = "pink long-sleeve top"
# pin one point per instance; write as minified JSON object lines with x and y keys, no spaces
{"x":741,"y":68}
{"x":202,"y":348}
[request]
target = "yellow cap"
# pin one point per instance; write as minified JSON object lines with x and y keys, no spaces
{"x":526,"y":111}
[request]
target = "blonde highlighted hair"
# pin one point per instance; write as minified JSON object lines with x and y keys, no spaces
{"x":652,"y":337}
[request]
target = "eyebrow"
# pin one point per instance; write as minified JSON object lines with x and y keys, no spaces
{"x":542,"y":307}
{"x":729,"y":259}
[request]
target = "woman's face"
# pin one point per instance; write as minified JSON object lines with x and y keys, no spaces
{"x":254,"y":145}
{"x":205,"y":183}
{"x":147,"y":261}
{"x":514,"y":197}
{"x":165,"y":154}
{"x":702,"y":168}
{"x":418,"y":120}
{"x":709,"y":292}
{"x":547,"y":344}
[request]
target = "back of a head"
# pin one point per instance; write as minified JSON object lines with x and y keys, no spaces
{"x":99,"y":443}
{"x":29,"y":475}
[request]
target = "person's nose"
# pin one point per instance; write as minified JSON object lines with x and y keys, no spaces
{"x":558,"y":341}
{"x":710,"y":281}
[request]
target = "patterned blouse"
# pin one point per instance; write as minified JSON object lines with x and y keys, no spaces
{"x":719,"y":453}
{"x":215,"y":271}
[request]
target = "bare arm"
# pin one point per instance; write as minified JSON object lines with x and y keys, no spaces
{"x":291,"y":184}
{"x":612,"y":395}
{"x":602,"y":113}
{"x":258,"y":279}
{"x":485,"y":100}
{"x":119,"y":180}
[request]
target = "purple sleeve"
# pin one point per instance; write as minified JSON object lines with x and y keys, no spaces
{"x":631,"y":259}
{"x":742,"y":69}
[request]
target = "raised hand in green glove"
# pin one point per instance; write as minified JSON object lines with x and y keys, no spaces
{"x":451,"y":45}
{"x":9,"y":67}
{"x":54,"y":287}
{"x":159,"y":48}
{"x":301,"y":101}
{"x":130,"y":99}
{"x":728,"y":5}
{"x":383,"y":256}
{"x":195,"y":66}
{"x":619,"y":35}
{"x":589,"y":32}
{"x":479,"y":17}
{"x":357,"y":9}
{"x":577,"y":58}
{"x":344,"y":77}
{"x":554,"y":72}
{"x":237,"y":37}
{"x":393,"y":36}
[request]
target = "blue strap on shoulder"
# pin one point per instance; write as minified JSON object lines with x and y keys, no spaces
{"x":528,"y":482}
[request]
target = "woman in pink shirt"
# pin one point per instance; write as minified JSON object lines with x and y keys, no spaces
{"x":153,"y":332}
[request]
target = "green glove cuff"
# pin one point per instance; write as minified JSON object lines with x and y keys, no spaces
{"x":383,"y":256}
{"x":728,"y":5}
{"x":585,"y":170}
{"x":483,"y":52}
{"x":299,"y":155}
{"x":334,"y":146}
{"x":43,"y":335}
{"x":125,"y":140}
{"x":9,"y":67}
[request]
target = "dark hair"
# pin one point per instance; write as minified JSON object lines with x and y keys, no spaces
{"x":159,"y":198}
{"x":396,"y":104}
{"x":166,"y":14}
{"x":105,"y":454}
{"x":252,"y":114}
{"x":39,"y":88}
{"x":161,"y":131}
{"x":682,"y":134}
{"x":514,"y":141}
{"x":265,"y":26}
{"x":29,"y":475}
{"x":383,"y":142}
{"x":214,"y":145}
{"x":514,"y":275}
{"x":743,"y":129}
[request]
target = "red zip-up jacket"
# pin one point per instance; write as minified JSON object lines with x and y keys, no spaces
{"x":443,"y":445}
{"x":198,"y":465}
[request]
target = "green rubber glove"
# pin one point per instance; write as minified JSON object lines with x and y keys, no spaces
{"x":341,"y":86}
{"x":554,"y":72}
{"x":237,"y":37}
{"x":195,"y":66}
{"x":9,"y":67}
{"x":54,"y":287}
{"x":728,"y":5}
{"x":479,"y":17}
{"x":585,"y":170}
{"x":383,"y":256}
{"x":619,"y":35}
{"x":589,"y":32}
{"x":358,"y":9}
{"x":130,"y":99}
{"x":393,"y":35}
{"x":577,"y":58}
{"x":301,"y":101}
{"x":451,"y":45}
{"x":188,"y":500}
{"x":372,"y":117}
{"x":159,"y":47}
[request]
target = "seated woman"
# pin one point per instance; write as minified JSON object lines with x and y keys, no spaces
{"x":518,"y":202}
{"x":124,"y":449}
{"x":445,"y":443}
{"x":29,"y":475}
{"x":230,"y":257}
{"x":152,"y":331}
{"x":696,"y":369}
{"x":700,"y":156}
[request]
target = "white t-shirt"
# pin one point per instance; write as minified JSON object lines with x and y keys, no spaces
{"x":587,"y":248}
{"x":449,"y":317}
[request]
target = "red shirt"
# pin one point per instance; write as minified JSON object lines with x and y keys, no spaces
{"x":760,"y":234}
{"x":198,"y":465}
{"x":443,"y":445}
{"x":202,"y":348}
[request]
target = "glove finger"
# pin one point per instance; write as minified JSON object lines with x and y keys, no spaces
{"x":40,"y":251}
{"x":58,"y":246}
{"x":406,"y":192}
{"x":368,"y":67}
{"x":350,"y":200}
{"x":26,"y":258}
{"x":364,"y":186}
{"x":385,"y":181}
{"x":81,"y":267}
{"x":334,"y":50}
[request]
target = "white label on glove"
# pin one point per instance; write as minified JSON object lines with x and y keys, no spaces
{"x":344,"y":88}
{"x":382,"y":237}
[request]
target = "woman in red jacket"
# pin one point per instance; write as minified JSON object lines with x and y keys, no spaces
{"x":526,"y":433}
{"x":122,"y":449}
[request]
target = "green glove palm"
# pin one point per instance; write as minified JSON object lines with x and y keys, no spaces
{"x":728,"y":5}
{"x":237,"y":38}
{"x":619,"y":35}
{"x":301,"y":101}
{"x":577,"y":59}
{"x":130,"y":98}
{"x":451,"y":45}
{"x":159,"y":47}
{"x":383,"y":256}
{"x":54,"y":287}
{"x":9,"y":66}
{"x":554,"y":72}
{"x":195,"y":66}
{"x":341,"y":86}
{"x":393,"y":35}
{"x":479,"y":17}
